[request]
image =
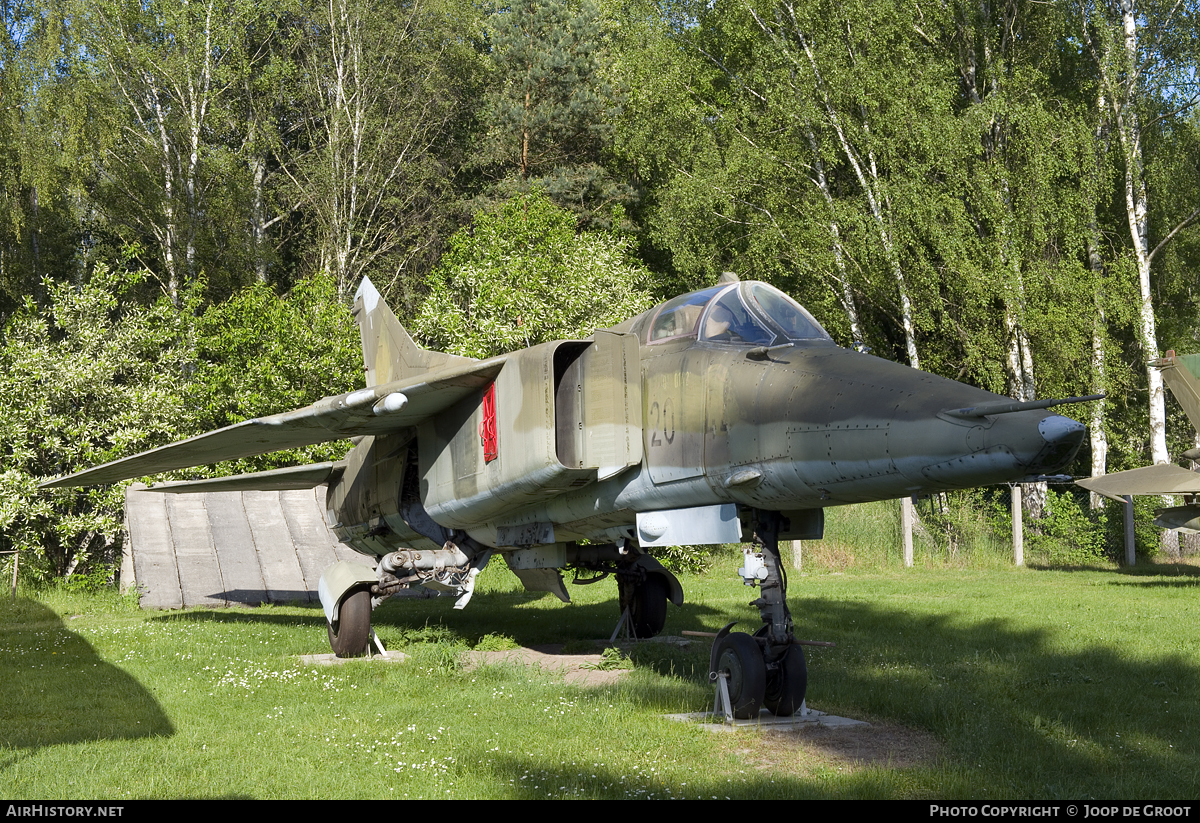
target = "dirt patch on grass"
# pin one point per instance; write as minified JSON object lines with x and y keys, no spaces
{"x":805,"y":749}
{"x":576,"y":669}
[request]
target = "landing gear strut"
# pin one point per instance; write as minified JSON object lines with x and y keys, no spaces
{"x":784,"y":680}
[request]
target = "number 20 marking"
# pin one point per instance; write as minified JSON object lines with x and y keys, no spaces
{"x":660,"y":420}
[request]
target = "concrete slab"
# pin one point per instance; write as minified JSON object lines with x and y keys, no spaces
{"x":232,"y":543}
{"x":766,"y":720}
{"x":199,"y":568}
{"x":282,"y":578}
{"x":311,"y":538}
{"x":154,"y":568}
{"x":334,"y":660}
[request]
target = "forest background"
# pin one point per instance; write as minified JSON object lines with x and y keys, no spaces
{"x":1004,"y":193}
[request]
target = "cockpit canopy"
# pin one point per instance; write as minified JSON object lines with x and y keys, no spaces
{"x":751,"y":314}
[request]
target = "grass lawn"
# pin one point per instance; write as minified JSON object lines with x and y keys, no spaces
{"x":981,"y":683}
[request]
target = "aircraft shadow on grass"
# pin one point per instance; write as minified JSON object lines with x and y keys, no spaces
{"x":1185,"y":576}
{"x":560,"y":623}
{"x":1010,"y":697}
{"x":1145,"y":574}
{"x":59,"y":690}
{"x":1016,"y":715}
{"x":1004,"y":700}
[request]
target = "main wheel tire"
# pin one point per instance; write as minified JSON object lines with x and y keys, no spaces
{"x":648,"y":607}
{"x":353,"y":630}
{"x":740,"y":657}
{"x":787,"y":685}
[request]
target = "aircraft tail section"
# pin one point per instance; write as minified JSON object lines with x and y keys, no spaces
{"x":389,"y":353}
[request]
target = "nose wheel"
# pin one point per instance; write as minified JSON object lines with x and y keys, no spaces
{"x":787,"y":682}
{"x":739,"y":669}
{"x":769,"y":668}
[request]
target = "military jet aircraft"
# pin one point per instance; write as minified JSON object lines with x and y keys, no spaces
{"x":1180,"y":373}
{"x":723,"y":415}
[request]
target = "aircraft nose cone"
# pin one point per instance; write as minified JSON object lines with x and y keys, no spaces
{"x":1062,"y":437}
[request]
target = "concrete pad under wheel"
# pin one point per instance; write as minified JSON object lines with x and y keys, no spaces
{"x":766,"y":720}
{"x":331,"y":659}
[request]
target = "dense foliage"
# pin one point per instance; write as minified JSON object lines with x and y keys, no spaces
{"x":522,"y":275}
{"x":96,"y":376}
{"x":1005,"y":193}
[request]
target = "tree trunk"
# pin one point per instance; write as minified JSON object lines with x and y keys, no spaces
{"x":846,"y":294}
{"x":1137,"y":212}
{"x":1098,"y":436}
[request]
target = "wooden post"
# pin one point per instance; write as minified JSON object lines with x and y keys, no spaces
{"x":1018,"y":526}
{"x":16,"y":559}
{"x":1130,"y":547}
{"x":906,"y":526}
{"x":796,"y":555}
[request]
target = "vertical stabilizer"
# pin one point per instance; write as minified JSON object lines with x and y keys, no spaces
{"x":389,"y":353}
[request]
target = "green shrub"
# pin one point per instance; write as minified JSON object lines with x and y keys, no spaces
{"x":496,"y":643}
{"x":98,"y":376}
{"x":1071,"y":533}
{"x":523,"y":275}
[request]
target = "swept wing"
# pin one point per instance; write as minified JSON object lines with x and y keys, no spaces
{"x":1165,"y":478}
{"x":376,"y":410}
{"x":1180,"y":370}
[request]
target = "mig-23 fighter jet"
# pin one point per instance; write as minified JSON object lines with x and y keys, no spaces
{"x":720,"y":416}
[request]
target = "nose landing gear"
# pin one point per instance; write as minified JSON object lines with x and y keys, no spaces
{"x":767,"y":669}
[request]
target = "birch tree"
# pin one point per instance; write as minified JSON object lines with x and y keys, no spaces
{"x":386,"y":82}
{"x":852,"y":128}
{"x":48,"y":133}
{"x":1143,"y":59}
{"x":1026,"y":202}
{"x":1132,"y":75}
{"x":167,"y":68}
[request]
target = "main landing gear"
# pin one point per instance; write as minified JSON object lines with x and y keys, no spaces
{"x":647,"y":603}
{"x":351,"y":632}
{"x":767,"y":668}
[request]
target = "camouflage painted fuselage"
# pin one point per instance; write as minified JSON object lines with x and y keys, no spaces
{"x":590,"y":433}
{"x":816,"y":425}
{"x":730,"y":395}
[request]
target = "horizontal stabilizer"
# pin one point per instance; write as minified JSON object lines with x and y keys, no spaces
{"x":1165,"y":478}
{"x":377,"y":410}
{"x":293,"y":477}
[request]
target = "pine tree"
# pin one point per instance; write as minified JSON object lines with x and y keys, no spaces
{"x":550,"y":118}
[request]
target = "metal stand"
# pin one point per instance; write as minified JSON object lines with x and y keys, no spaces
{"x":622,"y":629}
{"x":721,"y":703}
{"x":377,"y":643}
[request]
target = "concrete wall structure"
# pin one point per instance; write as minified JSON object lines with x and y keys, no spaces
{"x":229,"y":548}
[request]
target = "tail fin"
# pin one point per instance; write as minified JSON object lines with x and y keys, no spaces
{"x":389,"y":353}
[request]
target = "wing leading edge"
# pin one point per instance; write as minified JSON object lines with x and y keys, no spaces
{"x":1165,"y":478}
{"x":376,"y":410}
